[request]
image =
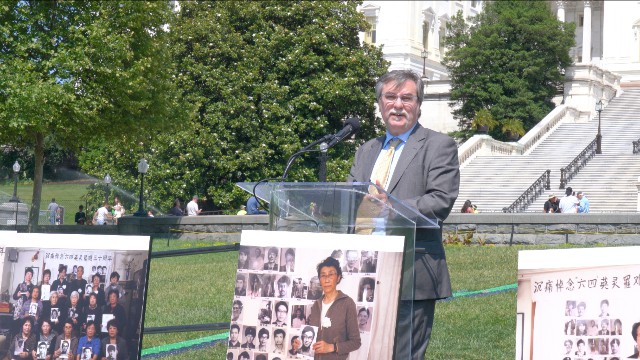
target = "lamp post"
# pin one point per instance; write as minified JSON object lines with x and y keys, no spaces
{"x":16,"y":170}
{"x":425,"y":55}
{"x":322,"y":171}
{"x":142,"y":169}
{"x":107,"y":181}
{"x":599,"y":136}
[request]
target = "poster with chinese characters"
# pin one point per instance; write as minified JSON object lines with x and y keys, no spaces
{"x":72,"y":269}
{"x":578,"y":304}
{"x":277,"y":289}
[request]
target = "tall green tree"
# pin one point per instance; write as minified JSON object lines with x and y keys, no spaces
{"x":266,"y":78}
{"x":509,"y":59}
{"x":73,"y":71}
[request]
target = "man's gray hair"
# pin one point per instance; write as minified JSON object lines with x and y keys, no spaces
{"x":400,"y":77}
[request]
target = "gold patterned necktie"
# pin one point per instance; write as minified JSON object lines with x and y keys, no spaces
{"x":381,"y":172}
{"x":367,"y":209}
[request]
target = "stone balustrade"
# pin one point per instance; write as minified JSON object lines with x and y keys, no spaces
{"x":541,"y":228}
{"x":488,"y":228}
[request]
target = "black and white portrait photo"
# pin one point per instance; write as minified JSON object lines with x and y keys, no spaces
{"x":19,"y":346}
{"x":283,"y":286}
{"x":368,"y":261}
{"x":64,"y":347}
{"x":366,"y":289}
{"x":86,"y":353}
{"x":265,"y":315}
{"x":33,"y":309}
{"x":111,"y":351}
{"x":54,"y":314}
{"x":288,"y":260}
{"x":42,"y":350}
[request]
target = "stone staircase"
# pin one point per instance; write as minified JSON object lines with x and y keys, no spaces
{"x":609,"y":179}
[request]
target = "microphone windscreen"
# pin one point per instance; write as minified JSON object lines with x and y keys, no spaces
{"x":354,"y":122}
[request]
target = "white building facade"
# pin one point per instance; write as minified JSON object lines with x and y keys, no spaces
{"x":411,"y":34}
{"x":607,"y":35}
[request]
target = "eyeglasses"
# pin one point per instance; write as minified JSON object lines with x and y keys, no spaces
{"x":327,"y":276}
{"x":406,"y":98}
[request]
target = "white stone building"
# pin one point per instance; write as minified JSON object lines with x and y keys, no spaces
{"x":412,"y":32}
{"x":612,"y":31}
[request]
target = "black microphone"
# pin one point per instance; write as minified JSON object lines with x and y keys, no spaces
{"x":351,"y":126}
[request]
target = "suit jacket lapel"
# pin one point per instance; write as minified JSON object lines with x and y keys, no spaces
{"x":409,"y":151}
{"x":371,"y":155}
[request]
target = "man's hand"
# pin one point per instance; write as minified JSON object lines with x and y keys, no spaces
{"x":322,"y":347}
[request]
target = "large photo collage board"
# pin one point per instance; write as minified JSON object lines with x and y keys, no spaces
{"x":84,"y":279}
{"x":277,"y":283}
{"x":579,"y":304}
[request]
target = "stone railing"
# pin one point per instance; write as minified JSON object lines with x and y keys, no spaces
{"x":485,"y":145}
{"x":545,"y":126}
{"x":531,"y":194}
{"x":585,"y":84}
{"x":580,"y":161}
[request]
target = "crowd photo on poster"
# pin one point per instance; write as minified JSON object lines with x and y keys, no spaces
{"x":65,"y":303}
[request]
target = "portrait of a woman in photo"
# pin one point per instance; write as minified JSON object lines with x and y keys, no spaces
{"x":335,"y":315}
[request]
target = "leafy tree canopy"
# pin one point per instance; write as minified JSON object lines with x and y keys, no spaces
{"x":509,"y":59}
{"x":75,"y":71}
{"x":266,"y":78}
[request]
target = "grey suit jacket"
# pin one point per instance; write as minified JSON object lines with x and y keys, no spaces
{"x":427,"y":178}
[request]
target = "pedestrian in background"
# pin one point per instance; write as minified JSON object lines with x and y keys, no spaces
{"x":192,"y":207}
{"x":53,"y":210}
{"x":583,"y":207}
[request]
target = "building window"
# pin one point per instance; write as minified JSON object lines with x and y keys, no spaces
{"x":425,"y":35}
{"x":581,"y":20}
{"x":370,"y":35}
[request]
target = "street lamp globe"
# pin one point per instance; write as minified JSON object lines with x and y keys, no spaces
{"x":16,"y":170}
{"x":425,"y":55}
{"x":107,"y":181}
{"x":599,"y":106}
{"x":143,"y":166}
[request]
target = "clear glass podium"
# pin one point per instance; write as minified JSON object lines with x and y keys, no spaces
{"x":347,"y":208}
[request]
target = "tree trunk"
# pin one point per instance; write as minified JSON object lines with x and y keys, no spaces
{"x":38,"y":173}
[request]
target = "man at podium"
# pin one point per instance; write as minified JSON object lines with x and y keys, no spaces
{"x":420,"y":167}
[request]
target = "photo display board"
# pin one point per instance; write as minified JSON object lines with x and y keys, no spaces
{"x":277,"y":284}
{"x":81,"y":257}
{"x":578,"y":304}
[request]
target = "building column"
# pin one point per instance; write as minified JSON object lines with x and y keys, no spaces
{"x":436,"y":38}
{"x":586,"y":34}
{"x":560,"y":5}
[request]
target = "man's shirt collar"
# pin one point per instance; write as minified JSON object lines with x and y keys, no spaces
{"x":404,"y":136}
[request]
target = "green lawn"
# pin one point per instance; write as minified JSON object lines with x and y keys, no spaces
{"x":67,"y":195}
{"x":198,"y":289}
